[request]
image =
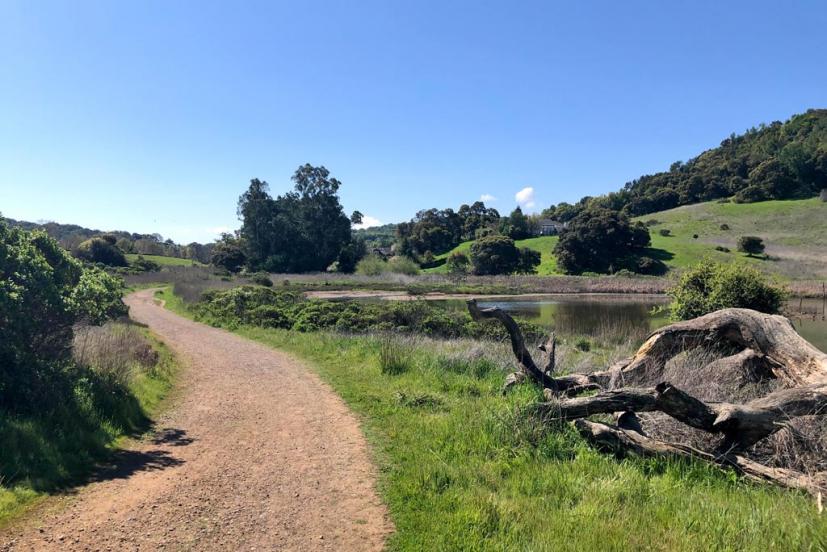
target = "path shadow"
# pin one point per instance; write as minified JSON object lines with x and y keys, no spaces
{"x":125,"y":463}
{"x":171,"y":436}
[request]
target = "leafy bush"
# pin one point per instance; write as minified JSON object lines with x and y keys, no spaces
{"x":751,"y":245}
{"x":457,"y":263}
{"x":142,"y":264}
{"x":403,"y":265}
{"x":372,"y":265}
{"x":261,"y":279}
{"x":583,"y":344}
{"x":711,"y":286}
{"x":725,"y":227}
{"x":43,"y":293}
{"x":722,"y":249}
{"x":100,"y":250}
{"x":499,"y":255}
{"x":664,"y":232}
{"x":650,"y":266}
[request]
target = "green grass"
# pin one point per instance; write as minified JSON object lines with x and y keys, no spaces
{"x":58,"y":453}
{"x":462,"y":468}
{"x":163,"y":261}
{"x":795,"y":232}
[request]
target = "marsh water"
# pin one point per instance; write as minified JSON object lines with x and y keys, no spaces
{"x":634,"y":315}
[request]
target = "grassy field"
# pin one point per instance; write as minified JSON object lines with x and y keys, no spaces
{"x":463,"y":469}
{"x":794,"y":231}
{"x":57,"y":453}
{"x":163,"y":261}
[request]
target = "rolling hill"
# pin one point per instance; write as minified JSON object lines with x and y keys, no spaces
{"x":794,"y":231}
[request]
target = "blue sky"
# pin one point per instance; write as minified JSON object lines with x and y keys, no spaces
{"x":152,"y":116}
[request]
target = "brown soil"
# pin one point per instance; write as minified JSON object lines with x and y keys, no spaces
{"x":256,"y":453}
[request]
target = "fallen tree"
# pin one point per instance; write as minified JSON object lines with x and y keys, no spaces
{"x":748,"y":344}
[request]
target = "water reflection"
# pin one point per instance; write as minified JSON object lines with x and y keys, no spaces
{"x":632,"y":316}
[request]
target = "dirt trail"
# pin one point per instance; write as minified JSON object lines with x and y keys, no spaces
{"x":257,"y":453}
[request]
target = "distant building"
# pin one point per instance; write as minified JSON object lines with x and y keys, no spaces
{"x":548,"y":227}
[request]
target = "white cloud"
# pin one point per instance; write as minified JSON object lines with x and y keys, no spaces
{"x":525,"y":197}
{"x":487,"y":197}
{"x":368,"y":221}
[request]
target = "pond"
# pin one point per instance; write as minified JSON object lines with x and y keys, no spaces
{"x":631,"y":315}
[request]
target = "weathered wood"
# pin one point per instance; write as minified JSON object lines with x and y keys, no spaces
{"x":550,"y":350}
{"x":517,"y":342}
{"x":624,"y":441}
{"x":742,"y":425}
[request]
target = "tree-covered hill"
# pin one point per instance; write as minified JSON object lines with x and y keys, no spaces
{"x":777,"y":161}
{"x":794,"y":231}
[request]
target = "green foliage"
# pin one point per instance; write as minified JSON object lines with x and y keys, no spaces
{"x":374,"y":265}
{"x":261,"y":279}
{"x":457,"y":263}
{"x":711,"y":286}
{"x":394,"y":357}
{"x":350,"y":255}
{"x":751,"y":245}
{"x":516,"y":226}
{"x":257,"y":306}
{"x":100,"y":250}
{"x":527,"y":261}
{"x":301,"y":231}
{"x":494,"y":255}
{"x":43,"y":293}
{"x":600,"y":240}
{"x":439,"y":231}
{"x":664,"y":232}
{"x":142,"y":264}
{"x":228,"y":253}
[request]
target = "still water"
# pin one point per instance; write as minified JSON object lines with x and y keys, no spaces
{"x":637,"y":315}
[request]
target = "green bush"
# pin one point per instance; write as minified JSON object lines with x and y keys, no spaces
{"x":372,"y":265}
{"x":261,"y":279}
{"x":457,"y":263}
{"x":403,"y":265}
{"x":100,"y":250}
{"x":43,"y":293}
{"x":711,"y":286}
{"x":751,"y":245}
{"x":665,"y":232}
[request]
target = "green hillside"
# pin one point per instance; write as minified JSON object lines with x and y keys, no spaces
{"x":795,"y":232}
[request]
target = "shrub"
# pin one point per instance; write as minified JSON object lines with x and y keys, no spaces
{"x":527,"y":261}
{"x":142,"y":264}
{"x":403,"y":265}
{"x":100,"y":250}
{"x":652,"y":222}
{"x":664,"y":232}
{"x":457,"y":263}
{"x":494,"y":255}
{"x":261,"y":279}
{"x":694,"y":236}
{"x":722,"y":249}
{"x":650,"y":266}
{"x":371,"y":265}
{"x":751,"y":245}
{"x":583,"y":344}
{"x":725,"y":227}
{"x":711,"y":286}
{"x":43,"y":293}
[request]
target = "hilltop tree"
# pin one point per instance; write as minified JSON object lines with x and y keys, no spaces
{"x":516,"y":226}
{"x":599,"y":240}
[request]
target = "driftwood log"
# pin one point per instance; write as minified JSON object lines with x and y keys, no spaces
{"x":766,"y":345}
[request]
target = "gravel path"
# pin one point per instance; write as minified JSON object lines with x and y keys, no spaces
{"x":257,"y":453}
